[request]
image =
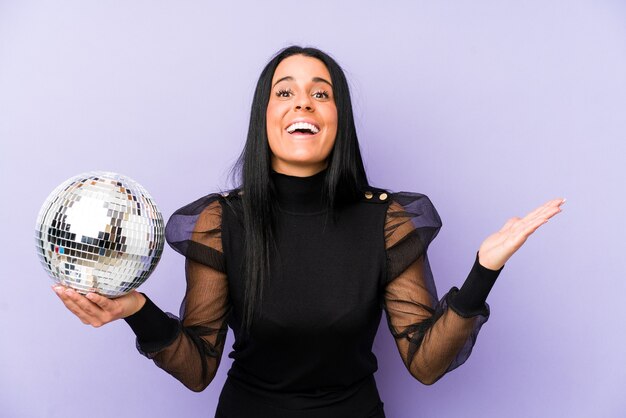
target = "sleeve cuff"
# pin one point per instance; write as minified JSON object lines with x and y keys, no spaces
{"x":473,"y":294}
{"x":153,"y":327}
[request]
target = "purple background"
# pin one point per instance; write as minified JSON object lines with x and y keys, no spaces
{"x":488,"y":107}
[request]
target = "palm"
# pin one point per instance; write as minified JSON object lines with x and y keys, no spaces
{"x":500,"y":246}
{"x":97,"y":310}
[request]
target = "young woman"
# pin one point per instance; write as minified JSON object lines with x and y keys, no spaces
{"x":301,"y":260}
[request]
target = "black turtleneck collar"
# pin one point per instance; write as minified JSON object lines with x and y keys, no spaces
{"x":299,"y":194}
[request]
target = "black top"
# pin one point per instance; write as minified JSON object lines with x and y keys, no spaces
{"x":310,"y":352}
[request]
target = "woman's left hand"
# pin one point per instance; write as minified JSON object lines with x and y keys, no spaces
{"x":499,"y":247}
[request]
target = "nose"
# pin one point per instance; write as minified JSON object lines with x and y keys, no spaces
{"x":304,"y":103}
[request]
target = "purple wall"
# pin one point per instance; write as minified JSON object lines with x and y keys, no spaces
{"x":489,"y":108}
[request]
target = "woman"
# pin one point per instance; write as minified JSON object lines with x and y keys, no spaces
{"x":301,"y":260}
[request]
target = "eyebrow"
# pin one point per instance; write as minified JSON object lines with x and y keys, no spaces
{"x":314,"y":79}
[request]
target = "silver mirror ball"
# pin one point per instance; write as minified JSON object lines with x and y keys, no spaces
{"x":100,"y":232}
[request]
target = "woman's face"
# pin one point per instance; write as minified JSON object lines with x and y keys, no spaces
{"x":301,"y":116}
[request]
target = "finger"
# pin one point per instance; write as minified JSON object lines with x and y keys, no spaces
{"x":555,"y":210}
{"x":519,"y":231}
{"x":546,"y":206}
{"x":555,"y":202}
{"x":509,"y":224}
{"x":103,"y":303}
{"x":553,"y":207}
{"x":531,"y":226}
{"x":88,"y":312}
{"x":85,"y":304}
{"x":538,"y":211}
{"x":545,"y":213}
{"x":71,"y":306}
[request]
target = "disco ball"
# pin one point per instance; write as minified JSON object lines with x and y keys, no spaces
{"x":99,"y":232}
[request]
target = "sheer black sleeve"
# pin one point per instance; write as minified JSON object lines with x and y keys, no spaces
{"x":190,"y":348}
{"x":433,"y":336}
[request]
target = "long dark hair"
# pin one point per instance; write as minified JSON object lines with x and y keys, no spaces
{"x":344,"y":181}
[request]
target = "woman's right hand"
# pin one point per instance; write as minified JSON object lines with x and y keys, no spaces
{"x":96,"y":310}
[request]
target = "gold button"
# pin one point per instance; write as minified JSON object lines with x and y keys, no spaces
{"x":383,"y":196}
{"x":368,"y":195}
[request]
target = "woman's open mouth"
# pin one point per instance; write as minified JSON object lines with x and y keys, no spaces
{"x":302,"y":129}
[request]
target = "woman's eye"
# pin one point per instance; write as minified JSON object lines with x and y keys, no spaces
{"x":283,"y":93}
{"x":321,"y":95}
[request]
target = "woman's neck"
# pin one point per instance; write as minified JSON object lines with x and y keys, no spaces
{"x":299,"y":194}
{"x":295,"y":170}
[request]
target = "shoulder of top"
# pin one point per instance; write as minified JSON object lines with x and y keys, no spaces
{"x":228,"y":194}
{"x":402,"y":199}
{"x":376,"y":195}
{"x":212,"y":200}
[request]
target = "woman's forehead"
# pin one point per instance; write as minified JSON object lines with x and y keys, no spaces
{"x":300,"y":68}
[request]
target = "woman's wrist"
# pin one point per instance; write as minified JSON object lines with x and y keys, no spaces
{"x":487,"y":264}
{"x":473,"y":293}
{"x":138,"y":300}
{"x":151,"y":325}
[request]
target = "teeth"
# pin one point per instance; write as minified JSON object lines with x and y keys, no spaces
{"x":302,"y":125}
